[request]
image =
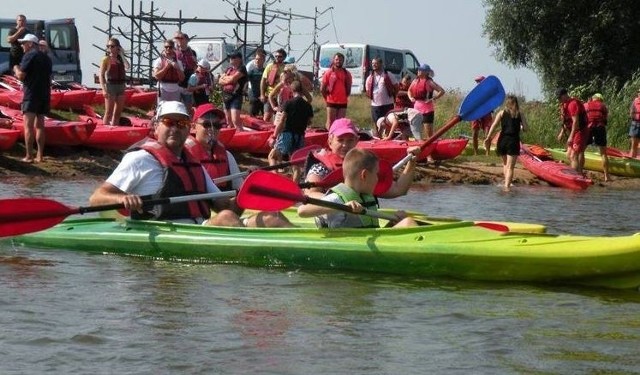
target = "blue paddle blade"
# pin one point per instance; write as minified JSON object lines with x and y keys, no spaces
{"x":484,"y":98}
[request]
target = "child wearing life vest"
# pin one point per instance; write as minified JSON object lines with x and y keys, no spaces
{"x":360,"y":169}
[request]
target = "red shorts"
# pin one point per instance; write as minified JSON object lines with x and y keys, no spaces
{"x":579,"y":141}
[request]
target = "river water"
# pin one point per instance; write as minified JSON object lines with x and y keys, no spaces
{"x":70,"y":312}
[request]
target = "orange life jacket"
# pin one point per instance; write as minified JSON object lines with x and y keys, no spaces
{"x":596,"y":113}
{"x":171,"y":76}
{"x":330,"y":160}
{"x":424,"y":91}
{"x":116,"y":73}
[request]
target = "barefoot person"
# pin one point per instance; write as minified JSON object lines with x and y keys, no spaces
{"x":511,"y":121}
{"x":35,"y":73}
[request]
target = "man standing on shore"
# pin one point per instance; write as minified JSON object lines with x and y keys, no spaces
{"x":35,"y":73}
{"x":574,"y":121}
{"x":15,"y":52}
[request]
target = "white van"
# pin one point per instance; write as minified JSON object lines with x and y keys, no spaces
{"x":358,"y":56}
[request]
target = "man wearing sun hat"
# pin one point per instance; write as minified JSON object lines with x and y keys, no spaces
{"x":597,"y":116}
{"x":35,"y":72}
{"x":161,"y":168}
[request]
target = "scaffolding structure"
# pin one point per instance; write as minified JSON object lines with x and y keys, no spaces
{"x":140,"y":30}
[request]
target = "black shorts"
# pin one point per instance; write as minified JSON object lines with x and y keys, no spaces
{"x":598,"y":136}
{"x":427,"y":118}
{"x":508,"y":145}
{"x":39,"y":107}
{"x":336,"y":105}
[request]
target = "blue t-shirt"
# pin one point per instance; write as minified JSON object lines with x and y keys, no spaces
{"x":37,"y":82}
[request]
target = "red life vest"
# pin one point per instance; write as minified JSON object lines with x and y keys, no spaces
{"x":387,"y":84}
{"x":636,"y":110}
{"x":596,"y":113}
{"x":422,"y":92}
{"x":330,"y":160}
{"x":274,"y":74}
{"x":171,"y":76}
{"x":214,"y":160}
{"x":180,"y":178}
{"x":230,"y":87}
{"x":332,"y":80}
{"x":116,"y":73}
{"x":188,"y":59}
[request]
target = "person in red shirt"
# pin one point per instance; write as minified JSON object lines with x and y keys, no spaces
{"x":597,"y":114}
{"x":574,"y":122}
{"x":336,"y":88}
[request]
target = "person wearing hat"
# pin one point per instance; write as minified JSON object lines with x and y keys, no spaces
{"x":201,"y":83}
{"x":343,"y":137}
{"x":233,"y":81}
{"x":423,"y":92}
{"x":634,"y":127}
{"x":574,"y":123}
{"x":164,"y":168}
{"x":483,"y":123}
{"x":18,"y":32}
{"x":218,"y":162}
{"x":169,"y":72}
{"x":597,"y":116}
{"x":35,"y":73}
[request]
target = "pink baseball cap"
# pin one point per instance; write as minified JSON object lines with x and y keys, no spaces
{"x":343,"y":126}
{"x":203,"y":109}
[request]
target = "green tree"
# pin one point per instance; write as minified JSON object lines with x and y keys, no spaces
{"x":567,"y":42}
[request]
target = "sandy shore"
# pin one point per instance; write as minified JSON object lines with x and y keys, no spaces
{"x":72,"y":162}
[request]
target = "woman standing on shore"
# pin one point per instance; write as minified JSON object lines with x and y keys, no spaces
{"x":511,"y":121}
{"x":112,"y":80}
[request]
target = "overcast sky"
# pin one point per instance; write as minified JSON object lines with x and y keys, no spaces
{"x":446,"y":34}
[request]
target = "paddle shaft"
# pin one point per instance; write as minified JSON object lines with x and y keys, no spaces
{"x":260,"y":190}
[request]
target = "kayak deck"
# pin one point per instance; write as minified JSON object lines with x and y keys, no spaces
{"x":458,"y":249}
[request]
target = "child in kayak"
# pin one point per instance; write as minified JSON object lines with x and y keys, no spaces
{"x":360,"y":169}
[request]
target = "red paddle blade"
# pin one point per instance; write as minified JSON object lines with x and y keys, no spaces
{"x":26,"y":215}
{"x":493,"y":226}
{"x":385,"y":177}
{"x":268,"y":191}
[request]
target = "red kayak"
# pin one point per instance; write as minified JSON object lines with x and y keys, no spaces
{"x":142,"y":99}
{"x":107,"y":137}
{"x":13,"y":99}
{"x":313,"y":136}
{"x":251,"y":141}
{"x":8,"y":137}
{"x":446,"y":149}
{"x":255,"y":123}
{"x":98,"y":99}
{"x":57,"y":133}
{"x":555,"y":173}
{"x":74,"y":99}
{"x":394,"y":150}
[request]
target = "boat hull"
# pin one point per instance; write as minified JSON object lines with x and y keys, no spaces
{"x":626,"y":167}
{"x":555,"y":173}
{"x":459,"y":250}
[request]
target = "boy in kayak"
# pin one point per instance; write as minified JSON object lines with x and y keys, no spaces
{"x":360,"y":169}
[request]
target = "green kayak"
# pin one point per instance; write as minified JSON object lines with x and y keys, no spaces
{"x":626,"y":167}
{"x":460,"y":249}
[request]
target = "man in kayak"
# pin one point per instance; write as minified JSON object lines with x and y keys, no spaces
{"x":574,"y":122}
{"x":597,"y":115}
{"x":360,"y":170}
{"x":343,"y":136}
{"x":165,"y":168}
{"x":218,"y":162}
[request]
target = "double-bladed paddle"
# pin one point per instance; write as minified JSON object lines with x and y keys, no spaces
{"x":484,"y":98}
{"x":26,"y":215}
{"x":267,"y":191}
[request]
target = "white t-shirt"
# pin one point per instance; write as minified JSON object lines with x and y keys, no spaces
{"x":140,"y":173}
{"x":380,"y":94}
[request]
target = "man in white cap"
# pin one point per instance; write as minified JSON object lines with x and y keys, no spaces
{"x":164,"y":168}
{"x":35,"y":72}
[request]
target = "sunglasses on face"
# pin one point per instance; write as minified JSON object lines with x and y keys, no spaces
{"x":181,"y":124}
{"x":111,"y":46}
{"x":210,"y":124}
{"x":279,"y":57}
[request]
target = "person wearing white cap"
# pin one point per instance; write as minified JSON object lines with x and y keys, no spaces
{"x":201,"y":83}
{"x":35,"y":73}
{"x":164,"y":168}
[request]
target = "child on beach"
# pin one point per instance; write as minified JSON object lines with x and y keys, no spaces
{"x":360,"y":170}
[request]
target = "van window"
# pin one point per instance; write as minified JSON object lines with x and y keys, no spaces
{"x":60,"y":37}
{"x":352,"y":56}
{"x":393,"y":62}
{"x":410,"y":63}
